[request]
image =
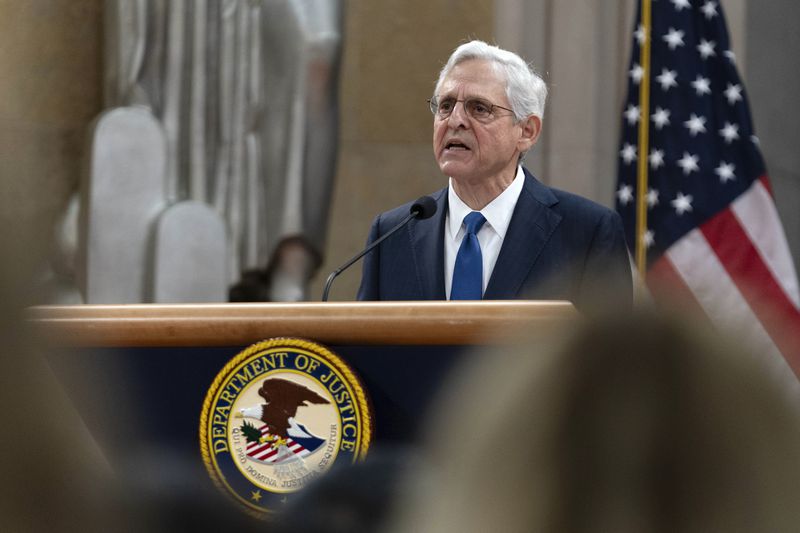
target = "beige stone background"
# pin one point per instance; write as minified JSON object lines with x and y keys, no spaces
{"x":50,"y":91}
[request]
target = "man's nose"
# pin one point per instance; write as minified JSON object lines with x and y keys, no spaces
{"x":458,"y":117}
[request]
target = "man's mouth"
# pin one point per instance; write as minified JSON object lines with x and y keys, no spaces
{"x":455,"y":145}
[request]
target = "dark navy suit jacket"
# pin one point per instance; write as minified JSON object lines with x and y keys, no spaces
{"x":558,"y":246}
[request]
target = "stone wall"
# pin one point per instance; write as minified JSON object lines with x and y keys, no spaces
{"x":50,"y":90}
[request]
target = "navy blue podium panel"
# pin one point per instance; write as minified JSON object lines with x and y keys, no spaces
{"x":139,"y":398}
{"x":139,"y":374}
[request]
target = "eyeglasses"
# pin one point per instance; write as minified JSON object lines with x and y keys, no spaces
{"x":477,"y":108}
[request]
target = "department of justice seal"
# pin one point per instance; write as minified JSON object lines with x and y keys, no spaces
{"x":277,"y":416}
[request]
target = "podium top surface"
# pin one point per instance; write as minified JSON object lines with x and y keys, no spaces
{"x":359,"y":323}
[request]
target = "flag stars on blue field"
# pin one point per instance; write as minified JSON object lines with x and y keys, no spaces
{"x":652,"y":198}
{"x":702,"y":85}
{"x":709,"y":9}
{"x":733,"y":93}
{"x":682,"y":203}
{"x":730,"y":132}
{"x":628,"y":153}
{"x":695,"y":125}
{"x":667,"y":79}
{"x":725,"y":171}
{"x":706,"y":49}
{"x":637,"y":73}
{"x":681,"y":4}
{"x":656,"y":159}
{"x":697,"y":129}
{"x":640,"y":34}
{"x":660,"y":118}
{"x":625,"y":194}
{"x":649,"y":238}
{"x":674,"y":38}
{"x":689,"y":163}
{"x":632,"y":114}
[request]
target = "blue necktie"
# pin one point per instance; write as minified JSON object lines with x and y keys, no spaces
{"x":468,"y":271}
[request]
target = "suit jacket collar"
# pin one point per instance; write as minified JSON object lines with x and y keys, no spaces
{"x":532,"y":224}
{"x":427,"y":243}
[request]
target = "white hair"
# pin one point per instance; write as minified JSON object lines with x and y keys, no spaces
{"x":525,"y":89}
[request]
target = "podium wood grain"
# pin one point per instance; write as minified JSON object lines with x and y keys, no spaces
{"x":361,"y":323}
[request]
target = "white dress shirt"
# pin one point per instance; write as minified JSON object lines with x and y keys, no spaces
{"x":498,"y":216}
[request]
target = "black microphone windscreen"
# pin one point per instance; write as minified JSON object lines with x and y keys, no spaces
{"x":424,"y":207}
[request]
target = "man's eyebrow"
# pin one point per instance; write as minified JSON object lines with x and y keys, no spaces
{"x":470,"y":96}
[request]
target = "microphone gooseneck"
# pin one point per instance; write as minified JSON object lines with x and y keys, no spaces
{"x":424,"y":207}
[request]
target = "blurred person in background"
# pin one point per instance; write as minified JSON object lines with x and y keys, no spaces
{"x":631,"y":424}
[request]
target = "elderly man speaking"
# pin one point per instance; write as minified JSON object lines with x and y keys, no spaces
{"x":498,"y":233}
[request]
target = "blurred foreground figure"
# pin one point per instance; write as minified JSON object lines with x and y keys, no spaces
{"x":55,"y":476}
{"x":351,"y":498}
{"x":632,"y":425}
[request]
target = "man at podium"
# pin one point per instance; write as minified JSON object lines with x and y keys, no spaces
{"x":497,"y":232}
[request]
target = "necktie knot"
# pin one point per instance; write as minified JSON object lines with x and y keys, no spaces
{"x":473,"y":222}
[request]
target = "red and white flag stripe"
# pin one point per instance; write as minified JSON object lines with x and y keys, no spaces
{"x":264,"y":452}
{"x":737,"y":269}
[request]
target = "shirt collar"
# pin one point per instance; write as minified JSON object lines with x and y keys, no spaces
{"x":497,"y":212}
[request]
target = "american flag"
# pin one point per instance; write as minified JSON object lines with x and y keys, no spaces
{"x":712,"y":233}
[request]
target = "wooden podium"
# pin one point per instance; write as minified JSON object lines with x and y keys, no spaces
{"x":156,"y":362}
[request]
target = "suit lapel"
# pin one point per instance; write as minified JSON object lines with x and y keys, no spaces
{"x":427,"y":245}
{"x":532,"y":224}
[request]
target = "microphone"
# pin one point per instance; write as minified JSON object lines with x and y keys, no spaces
{"x":424,"y":207}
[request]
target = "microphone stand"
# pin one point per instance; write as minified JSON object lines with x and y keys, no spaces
{"x":414,"y":213}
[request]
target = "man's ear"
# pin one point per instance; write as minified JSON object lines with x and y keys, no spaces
{"x":531,"y":128}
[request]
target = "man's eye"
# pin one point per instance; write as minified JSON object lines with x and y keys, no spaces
{"x":480,"y":108}
{"x":446,"y":105}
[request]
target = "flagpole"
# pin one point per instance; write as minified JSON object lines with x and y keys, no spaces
{"x":644,"y":130}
